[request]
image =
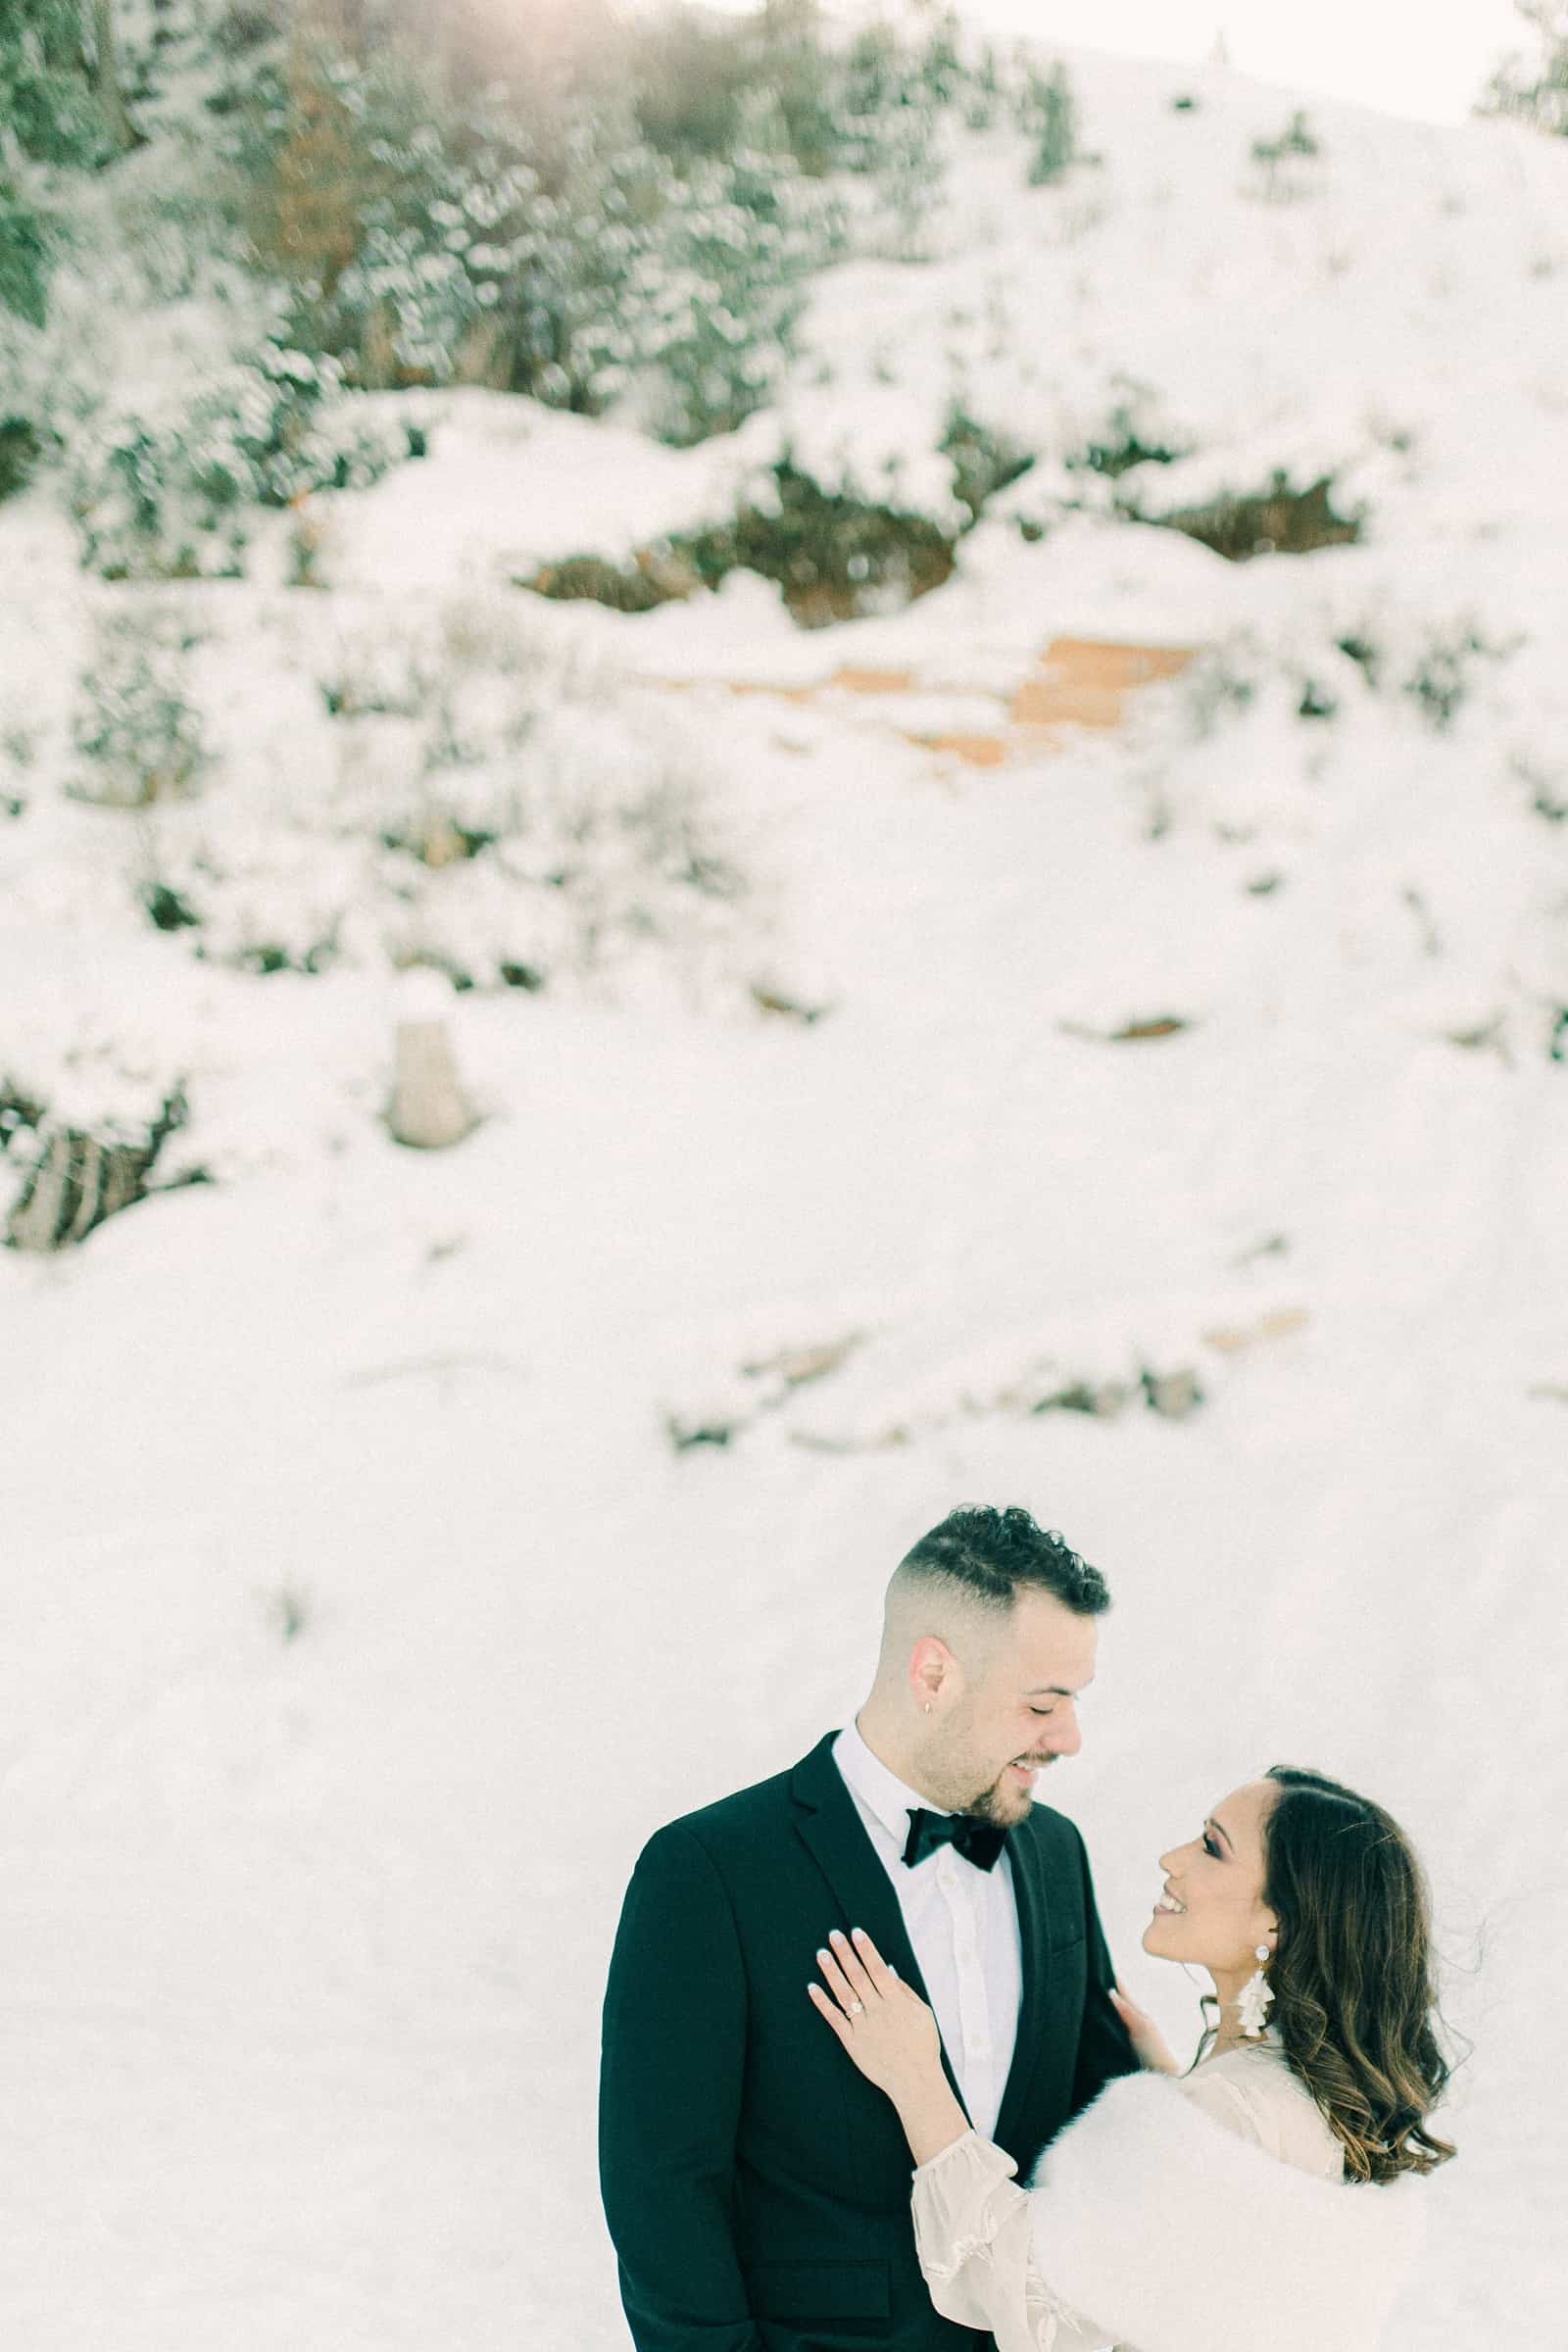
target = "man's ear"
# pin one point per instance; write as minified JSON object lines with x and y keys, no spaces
{"x":930,"y":1665}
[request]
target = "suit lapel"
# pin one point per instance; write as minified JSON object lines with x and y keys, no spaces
{"x":830,"y":1822}
{"x":1034,"y":1912}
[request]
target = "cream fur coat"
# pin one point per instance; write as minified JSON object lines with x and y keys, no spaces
{"x":1150,"y":2223}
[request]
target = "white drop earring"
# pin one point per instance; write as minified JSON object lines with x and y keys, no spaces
{"x":1256,"y":1996}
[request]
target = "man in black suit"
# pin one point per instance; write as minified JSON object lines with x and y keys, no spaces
{"x":756,"y":2184}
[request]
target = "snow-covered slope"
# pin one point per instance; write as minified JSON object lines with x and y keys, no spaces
{"x":360,"y":1613}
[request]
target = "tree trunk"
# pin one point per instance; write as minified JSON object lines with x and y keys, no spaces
{"x":100,"y":32}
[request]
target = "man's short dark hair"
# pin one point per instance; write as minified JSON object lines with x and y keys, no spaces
{"x":992,"y":1556}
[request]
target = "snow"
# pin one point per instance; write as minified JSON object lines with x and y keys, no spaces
{"x":359,"y":1617}
{"x":514,"y":484}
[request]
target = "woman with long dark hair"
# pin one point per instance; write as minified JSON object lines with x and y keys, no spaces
{"x":1264,"y":2200}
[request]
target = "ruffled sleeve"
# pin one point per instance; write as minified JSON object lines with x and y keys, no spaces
{"x":971,"y":2232}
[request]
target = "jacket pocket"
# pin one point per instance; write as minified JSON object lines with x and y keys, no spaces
{"x":819,"y":2290}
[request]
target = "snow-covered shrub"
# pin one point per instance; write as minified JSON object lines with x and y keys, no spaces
{"x":18,"y":453}
{"x":488,"y":800}
{"x":835,"y":556}
{"x":1133,"y":431}
{"x":1430,"y":663}
{"x":833,"y":553}
{"x":1278,"y":520}
{"x":21,"y":1111}
{"x":245,"y":26}
{"x":627,"y":840}
{"x":567,"y":842}
{"x":18,"y":753}
{"x":77,"y":1178}
{"x":938,"y":61}
{"x":649,"y":580}
{"x":877,"y":78}
{"x":167,"y":496}
{"x":1048,"y":114}
{"x":380,"y":675}
{"x":1221,"y":684}
{"x":165,"y":908}
{"x":1546,"y":782}
{"x":175,"y":244}
{"x":1439,"y":678}
{"x":138,"y":737}
{"x":982,"y":93}
{"x":1424,"y":661}
{"x":984,"y":461}
{"x":1271,"y":158}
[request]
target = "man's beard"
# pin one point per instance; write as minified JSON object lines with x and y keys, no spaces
{"x":1001,"y":1802}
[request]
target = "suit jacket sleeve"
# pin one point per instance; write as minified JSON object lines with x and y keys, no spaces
{"x":673,"y":2060}
{"x":1104,"y":2049}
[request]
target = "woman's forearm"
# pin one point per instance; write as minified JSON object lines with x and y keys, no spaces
{"x":930,"y":2113}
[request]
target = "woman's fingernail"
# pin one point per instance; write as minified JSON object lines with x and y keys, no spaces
{"x":837,"y":1935}
{"x":822,"y":1954}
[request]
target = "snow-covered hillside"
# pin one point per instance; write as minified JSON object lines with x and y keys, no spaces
{"x":371,"y":1590}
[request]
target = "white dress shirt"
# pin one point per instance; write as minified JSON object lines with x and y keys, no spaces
{"x":962,"y":1924}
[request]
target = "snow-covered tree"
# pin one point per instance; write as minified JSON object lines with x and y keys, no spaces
{"x":911,"y":175}
{"x":24,"y":254}
{"x":793,"y":62}
{"x":49,"y":120}
{"x":48,"y":110}
{"x":939,"y":58}
{"x":721,"y":290}
{"x":1047,"y":112}
{"x":1535,"y":88}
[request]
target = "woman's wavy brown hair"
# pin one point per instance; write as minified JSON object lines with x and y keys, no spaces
{"x":1352,"y":1973}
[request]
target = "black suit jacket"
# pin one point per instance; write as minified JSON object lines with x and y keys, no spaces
{"x":757,"y":2186}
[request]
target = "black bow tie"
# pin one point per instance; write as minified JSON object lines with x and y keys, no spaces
{"x":978,"y":1842}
